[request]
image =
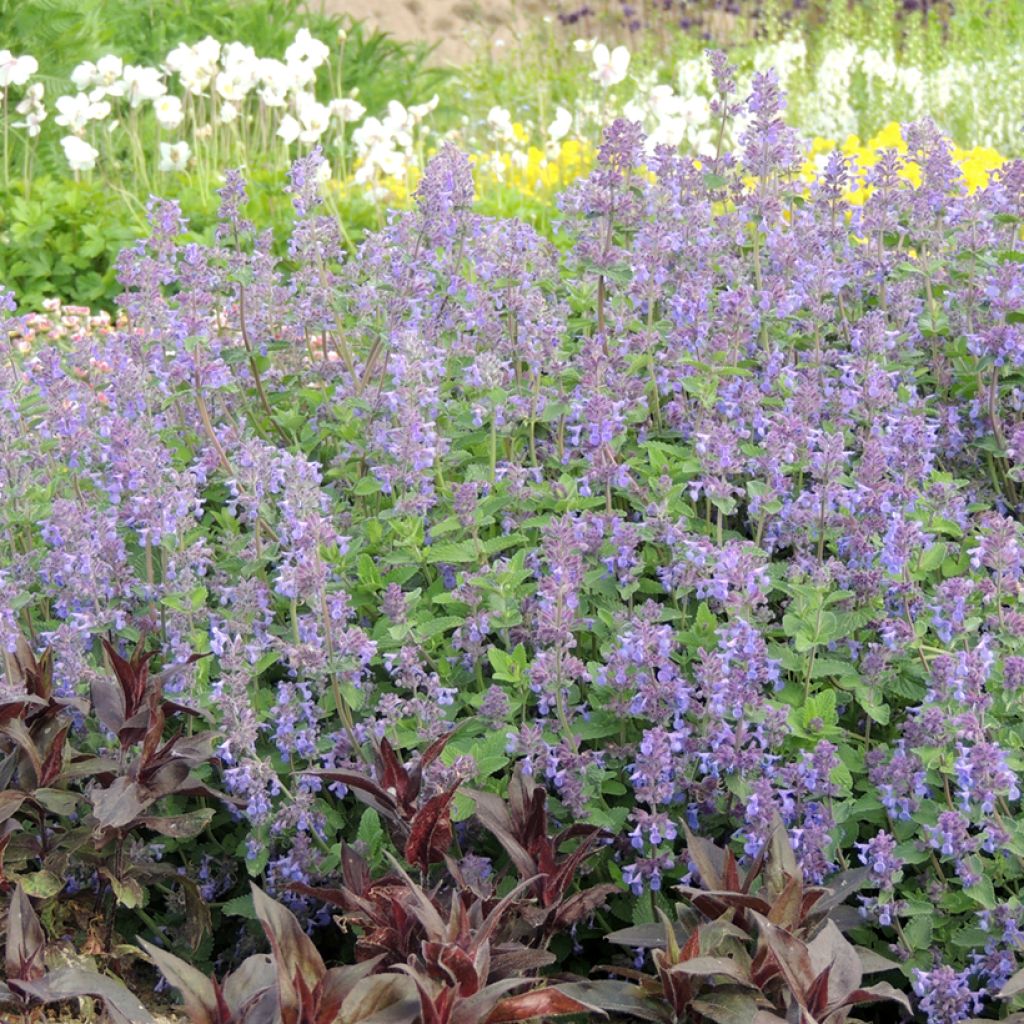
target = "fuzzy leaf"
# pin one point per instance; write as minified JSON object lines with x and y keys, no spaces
{"x":18,"y":731}
{"x":338,"y":984}
{"x":790,"y":954}
{"x":73,"y":982}
{"x":180,"y":826}
{"x":617,"y":997}
{"x":646,"y":936}
{"x":874,"y":963}
{"x":197,"y":991}
{"x":108,"y":703}
{"x":372,"y":996}
{"x":882,"y":991}
{"x":295,"y":956}
{"x":26,"y":942}
{"x":250,"y":991}
{"x":716,"y":966}
{"x":10,"y":802}
{"x":120,"y":803}
{"x":1013,"y":987}
{"x":726,"y":1006}
{"x":707,"y":858}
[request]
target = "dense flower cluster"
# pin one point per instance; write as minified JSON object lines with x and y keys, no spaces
{"x":709,"y":517}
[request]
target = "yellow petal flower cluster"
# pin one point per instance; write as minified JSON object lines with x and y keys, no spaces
{"x":976,"y":164}
{"x":540,"y":174}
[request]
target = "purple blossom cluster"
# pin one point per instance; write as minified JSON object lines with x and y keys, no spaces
{"x":708,"y":514}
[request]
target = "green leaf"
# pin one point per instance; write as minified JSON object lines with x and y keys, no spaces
{"x":371,"y":832}
{"x":918,"y":931}
{"x":40,"y":884}
{"x":240,"y":906}
{"x":368,"y":485}
{"x":462,"y":551}
{"x":441,"y":624}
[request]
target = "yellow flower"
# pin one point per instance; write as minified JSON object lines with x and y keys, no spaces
{"x":890,"y":137}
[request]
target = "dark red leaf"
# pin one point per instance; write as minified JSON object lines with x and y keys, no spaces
{"x":295,"y":956}
{"x":430,"y":834}
{"x":131,"y":675}
{"x":583,"y":904}
{"x":414,"y":777}
{"x":452,"y":966}
{"x":54,"y":759}
{"x":556,"y":885}
{"x":26,"y":942}
{"x":492,"y":813}
{"x":108,"y":703}
{"x":542,"y":1002}
{"x":18,"y":732}
{"x":367,"y":790}
{"x":394,"y":779}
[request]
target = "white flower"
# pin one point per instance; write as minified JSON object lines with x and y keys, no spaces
{"x":369,"y":134}
{"x":174,"y":156}
{"x":634,"y":111}
{"x":207,"y":50}
{"x":85,"y":75}
{"x":306,"y":50}
{"x":499,"y":120}
{"x":32,"y":110}
{"x":289,"y":129}
{"x":32,"y":123}
{"x":80,"y":155}
{"x":16,"y":70}
{"x":75,"y":112}
{"x":561,"y":126}
{"x":303,"y":75}
{"x":381,"y":157}
{"x":234,"y":83}
{"x":142,"y":84}
{"x":228,"y":112}
{"x":610,"y":68}
{"x":168,"y":111}
{"x":314,"y":118}
{"x":347,"y":110}
{"x":237,"y":54}
{"x":195,"y":78}
{"x":109,"y":69}
{"x":195,"y":65}
{"x":584,"y":45}
{"x":33,"y":98}
{"x":400,"y":123}
{"x":181,"y":57}
{"x":276,"y":80}
{"x":420,"y":110}
{"x":322,"y":174}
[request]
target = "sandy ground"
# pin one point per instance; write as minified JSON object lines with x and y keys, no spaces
{"x":458,"y":27}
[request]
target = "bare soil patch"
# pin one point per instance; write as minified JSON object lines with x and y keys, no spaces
{"x":458,"y":28}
